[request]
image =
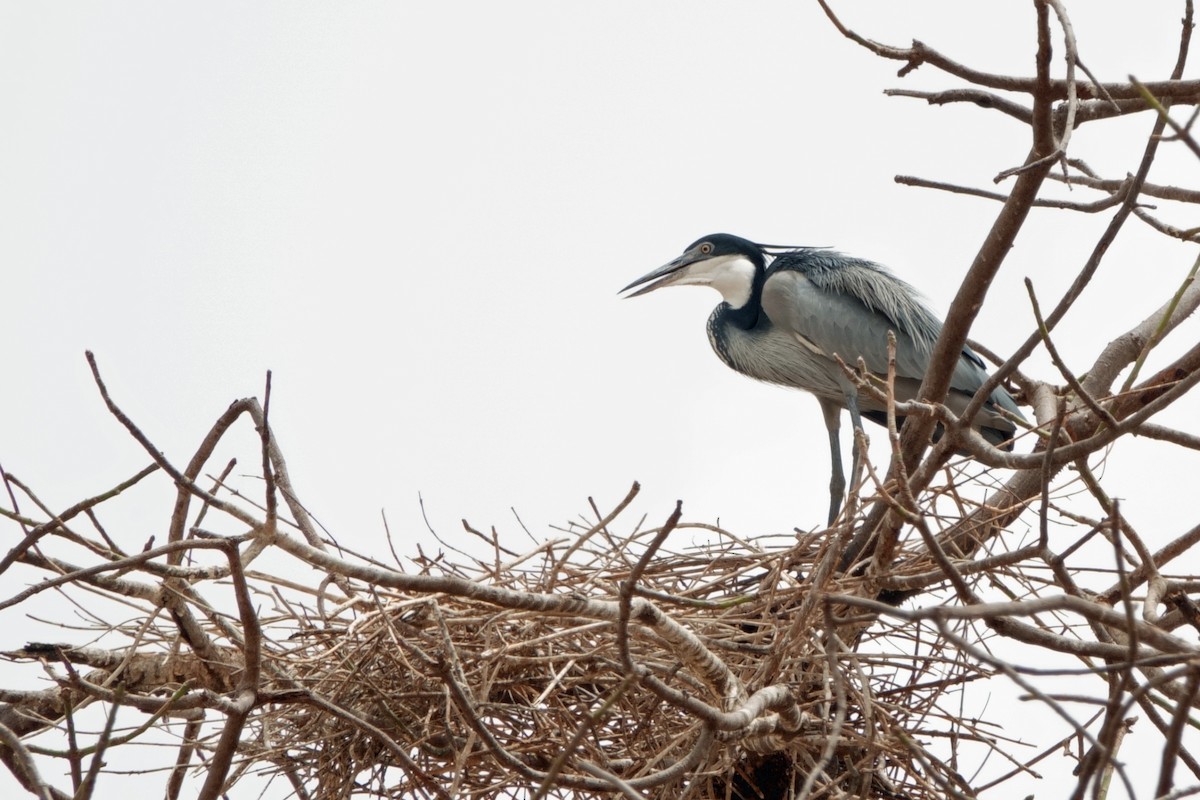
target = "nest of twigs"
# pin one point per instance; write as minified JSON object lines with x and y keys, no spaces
{"x":728,"y":674}
{"x":609,"y":659}
{"x":489,"y":700}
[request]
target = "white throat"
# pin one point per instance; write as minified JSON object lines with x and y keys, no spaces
{"x":731,"y":275}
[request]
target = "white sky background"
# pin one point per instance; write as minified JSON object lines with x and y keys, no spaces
{"x":418,"y":216}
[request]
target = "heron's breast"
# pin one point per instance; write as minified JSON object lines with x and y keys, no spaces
{"x":768,"y":353}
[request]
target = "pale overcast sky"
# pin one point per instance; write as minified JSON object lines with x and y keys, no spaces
{"x":419,"y":215}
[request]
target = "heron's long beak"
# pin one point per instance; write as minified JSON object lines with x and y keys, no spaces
{"x":663,"y":276}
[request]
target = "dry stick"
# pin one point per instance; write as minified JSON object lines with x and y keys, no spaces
{"x":110,"y":566}
{"x":280,"y":477}
{"x":264,"y":433}
{"x":601,"y":525}
{"x":1181,"y":133}
{"x":625,"y":599}
{"x":183,"y":496}
{"x":961,"y":587}
{"x":1149,"y":399}
{"x":1072,"y":58}
{"x":245,"y":697}
{"x":1175,"y":376}
{"x":883,"y":550}
{"x":496,"y":548}
{"x":1061,"y":365}
{"x":12,"y":498}
{"x":290,"y":772}
{"x":903,"y":583}
{"x":867,"y":709}
{"x":1161,"y":330}
{"x":182,"y":480}
{"x":1093,"y":207}
{"x":1060,"y":746}
{"x":833,"y":646}
{"x":74,"y":756}
{"x":1166,"y":775}
{"x":474,"y":532}
{"x":1048,"y":473}
{"x":63,"y":531}
{"x":218,"y":482}
{"x":586,"y":725}
{"x":1163,"y":642}
{"x":184,"y":707}
{"x":59,"y":521}
{"x":454,"y":670}
{"x":1170,"y":435}
{"x":1182,"y":234}
{"x":147,"y":592}
{"x":1110,"y":506}
{"x":22,"y":766}
{"x":1105,"y":97}
{"x":939,"y":776}
{"x":89,"y":780}
{"x":595,"y":509}
{"x":1095,"y":110}
{"x":113,"y":547}
{"x":1185,"y":610}
{"x":976,"y":96}
{"x":116,"y":697}
{"x":1152,"y":398}
{"x":251,"y":628}
{"x":615,"y":781}
{"x":1110,"y":768}
{"x":885,"y":547}
{"x":283,"y":481}
{"x":1072,"y":106}
{"x":1142,"y":695}
{"x":1160,"y":558}
{"x":1119,"y":187}
{"x":132,"y":649}
{"x":191,"y":734}
{"x":1103,"y":756}
{"x":920,"y":53}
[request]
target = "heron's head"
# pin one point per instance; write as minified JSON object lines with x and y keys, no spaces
{"x":727,"y":263}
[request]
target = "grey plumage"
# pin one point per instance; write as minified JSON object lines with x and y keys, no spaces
{"x":783,"y":322}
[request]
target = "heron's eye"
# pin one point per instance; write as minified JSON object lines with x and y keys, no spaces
{"x":706,"y":248}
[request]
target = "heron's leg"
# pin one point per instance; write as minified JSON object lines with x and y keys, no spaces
{"x":837,"y":479}
{"x":855,"y":450}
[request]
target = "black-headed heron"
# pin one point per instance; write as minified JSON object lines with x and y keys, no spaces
{"x":788,"y":311}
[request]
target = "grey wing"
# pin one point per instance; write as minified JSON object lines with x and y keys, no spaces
{"x":848,"y":310}
{"x":837,"y":323}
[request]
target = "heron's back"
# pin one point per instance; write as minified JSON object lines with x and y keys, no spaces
{"x":816,"y":304}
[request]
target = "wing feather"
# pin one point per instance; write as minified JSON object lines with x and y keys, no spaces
{"x":847,"y":306}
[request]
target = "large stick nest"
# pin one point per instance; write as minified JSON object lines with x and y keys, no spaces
{"x":477,"y":695}
{"x":606,"y":660}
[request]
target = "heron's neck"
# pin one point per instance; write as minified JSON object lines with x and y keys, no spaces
{"x":735,"y":277}
{"x":741,"y":284}
{"x":744,"y":316}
